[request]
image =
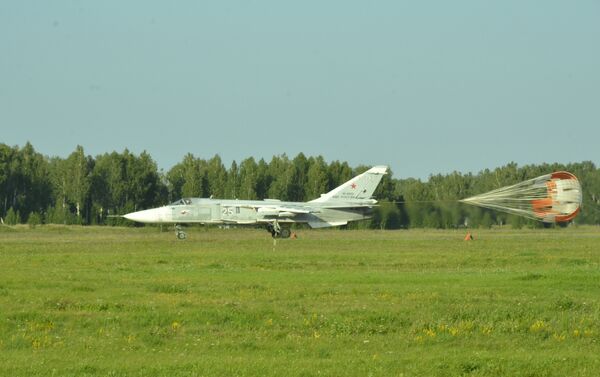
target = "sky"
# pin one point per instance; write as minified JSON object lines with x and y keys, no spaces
{"x":425,"y":87}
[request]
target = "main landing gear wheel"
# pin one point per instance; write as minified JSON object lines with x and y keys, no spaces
{"x":180,"y":233}
{"x":277,"y":231}
{"x":285,"y":233}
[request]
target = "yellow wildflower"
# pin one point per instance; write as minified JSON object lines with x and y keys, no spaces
{"x":538,"y":326}
{"x":486,"y":330}
{"x":429,"y":332}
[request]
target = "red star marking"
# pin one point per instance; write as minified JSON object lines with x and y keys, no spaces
{"x":353,"y":185}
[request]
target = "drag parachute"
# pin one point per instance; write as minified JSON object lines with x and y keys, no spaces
{"x":554,"y":197}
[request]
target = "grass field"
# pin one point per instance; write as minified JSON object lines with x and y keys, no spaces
{"x":91,"y":301}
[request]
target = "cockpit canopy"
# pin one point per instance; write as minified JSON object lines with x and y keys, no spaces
{"x":182,"y":202}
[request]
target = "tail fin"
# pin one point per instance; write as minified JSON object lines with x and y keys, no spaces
{"x":359,"y":188}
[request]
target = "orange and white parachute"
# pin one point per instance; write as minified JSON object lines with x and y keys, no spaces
{"x":554,"y":197}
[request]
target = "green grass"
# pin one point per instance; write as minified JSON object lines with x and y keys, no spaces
{"x":91,"y":301}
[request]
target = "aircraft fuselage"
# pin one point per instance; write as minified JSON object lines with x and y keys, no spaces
{"x":350,"y":201}
{"x":248,"y":212}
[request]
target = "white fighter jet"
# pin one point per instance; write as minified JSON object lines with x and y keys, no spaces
{"x":351,"y":201}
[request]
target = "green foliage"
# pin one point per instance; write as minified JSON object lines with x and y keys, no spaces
{"x":12,"y":217}
{"x":387,"y":216}
{"x":516,"y":222}
{"x":487,"y":221}
{"x":281,"y":172}
{"x":232,"y":185}
{"x":81,"y":189}
{"x":61,"y":215}
{"x":24,"y":182}
{"x":316,"y":178}
{"x":34,"y":219}
{"x":248,"y":177}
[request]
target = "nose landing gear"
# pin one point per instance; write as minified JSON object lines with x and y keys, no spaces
{"x":180,"y":233}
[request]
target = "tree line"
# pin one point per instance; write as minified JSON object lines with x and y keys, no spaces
{"x":81,"y":189}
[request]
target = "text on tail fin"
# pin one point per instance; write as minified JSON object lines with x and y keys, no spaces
{"x":359,"y":188}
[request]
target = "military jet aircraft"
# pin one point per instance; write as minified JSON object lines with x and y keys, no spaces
{"x":349,"y":202}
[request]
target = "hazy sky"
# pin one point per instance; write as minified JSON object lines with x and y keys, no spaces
{"x":423,"y":86}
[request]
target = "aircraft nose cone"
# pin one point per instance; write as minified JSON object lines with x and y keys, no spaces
{"x":146,"y":216}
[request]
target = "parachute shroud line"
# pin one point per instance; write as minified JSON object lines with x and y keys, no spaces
{"x":554,"y":197}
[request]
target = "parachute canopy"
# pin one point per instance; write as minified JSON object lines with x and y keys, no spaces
{"x":554,"y":197}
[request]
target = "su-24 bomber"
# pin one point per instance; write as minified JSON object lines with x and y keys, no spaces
{"x":351,"y":201}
